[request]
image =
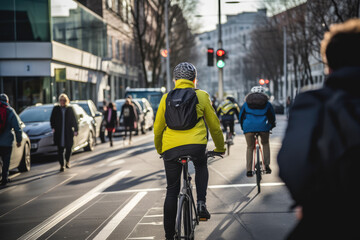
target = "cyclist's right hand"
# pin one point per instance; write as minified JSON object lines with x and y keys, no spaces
{"x":213,"y":154}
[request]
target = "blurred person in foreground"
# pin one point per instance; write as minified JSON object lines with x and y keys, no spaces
{"x":65,"y":127}
{"x":319,"y":158}
{"x":8,"y":120}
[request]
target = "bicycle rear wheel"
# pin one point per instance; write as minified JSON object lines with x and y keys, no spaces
{"x":228,"y":142}
{"x":258,"y":169}
{"x":183,"y":222}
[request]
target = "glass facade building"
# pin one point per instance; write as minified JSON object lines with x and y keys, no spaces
{"x":39,"y":37}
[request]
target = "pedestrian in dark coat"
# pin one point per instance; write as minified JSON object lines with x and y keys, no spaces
{"x":319,"y":157}
{"x":65,"y":127}
{"x":129,"y":114}
{"x":110,"y":121}
{"x":7,"y":138}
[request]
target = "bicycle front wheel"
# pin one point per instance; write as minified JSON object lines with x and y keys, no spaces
{"x":183,"y":222}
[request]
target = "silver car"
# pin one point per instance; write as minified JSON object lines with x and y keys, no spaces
{"x":20,"y":156}
{"x":37,"y":121}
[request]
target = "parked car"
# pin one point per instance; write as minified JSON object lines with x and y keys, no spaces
{"x":148,"y":111}
{"x":92,"y":111}
{"x":153,"y":95}
{"x":278,"y":106}
{"x":119,"y":103}
{"x":20,"y":156}
{"x":37,"y":127}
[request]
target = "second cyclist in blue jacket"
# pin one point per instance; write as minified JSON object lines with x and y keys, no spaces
{"x":257,"y":115}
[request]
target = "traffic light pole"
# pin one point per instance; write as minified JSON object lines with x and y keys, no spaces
{"x":221,"y":73}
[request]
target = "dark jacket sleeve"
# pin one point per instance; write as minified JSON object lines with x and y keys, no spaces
{"x":270,"y":114}
{"x":73,"y":120}
{"x":15,"y":122}
{"x":296,"y":157}
{"x":53,"y":117}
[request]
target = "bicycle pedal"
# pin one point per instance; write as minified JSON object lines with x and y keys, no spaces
{"x":203,"y":219}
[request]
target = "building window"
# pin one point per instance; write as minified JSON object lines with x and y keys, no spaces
{"x":110,"y":48}
{"x":24,"y":20}
{"x":109,"y":3}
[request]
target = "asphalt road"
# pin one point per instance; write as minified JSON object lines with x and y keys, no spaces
{"x":118,"y":193}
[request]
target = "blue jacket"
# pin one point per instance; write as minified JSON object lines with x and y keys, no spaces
{"x":258,"y":117}
{"x":12,"y":122}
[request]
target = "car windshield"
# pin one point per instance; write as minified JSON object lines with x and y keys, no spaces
{"x":153,"y":97}
{"x":36,"y":114}
{"x":85,"y":106}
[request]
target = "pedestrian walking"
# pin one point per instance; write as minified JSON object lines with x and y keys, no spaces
{"x":111,"y":121}
{"x":257,"y":115}
{"x":65,"y":127}
{"x":8,"y":120}
{"x":319,"y":157}
{"x":288,"y":106}
{"x":129,"y":115}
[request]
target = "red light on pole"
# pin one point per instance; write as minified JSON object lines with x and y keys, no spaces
{"x":210,"y":50}
{"x":164,"y":53}
{"x":262,"y":81}
{"x":220,"y":52}
{"x":267,"y":81}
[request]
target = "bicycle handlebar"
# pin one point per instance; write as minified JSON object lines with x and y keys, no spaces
{"x":213,"y":154}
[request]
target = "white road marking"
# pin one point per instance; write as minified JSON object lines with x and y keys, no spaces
{"x":142,"y":238}
{"x":117,"y":219}
{"x":49,"y":223}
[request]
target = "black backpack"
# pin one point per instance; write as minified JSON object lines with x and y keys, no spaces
{"x":180,"y":113}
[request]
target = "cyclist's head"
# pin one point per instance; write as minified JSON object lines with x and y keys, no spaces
{"x":258,"y":89}
{"x":230,"y":98}
{"x":185,"y":70}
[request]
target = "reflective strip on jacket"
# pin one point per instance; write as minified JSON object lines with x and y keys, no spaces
{"x":166,"y":138}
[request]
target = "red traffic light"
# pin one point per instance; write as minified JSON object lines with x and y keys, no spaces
{"x":267,"y":81}
{"x":220,"y":52}
{"x":262,"y":81}
{"x":210,"y":50}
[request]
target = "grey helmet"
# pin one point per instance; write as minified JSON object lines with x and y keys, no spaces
{"x":185,"y":70}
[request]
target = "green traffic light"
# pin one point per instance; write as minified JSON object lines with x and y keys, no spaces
{"x":220,"y":64}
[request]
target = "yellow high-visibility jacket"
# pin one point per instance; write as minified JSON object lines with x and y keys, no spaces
{"x":166,"y":138}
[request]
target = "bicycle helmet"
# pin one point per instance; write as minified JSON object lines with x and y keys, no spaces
{"x":185,"y":70}
{"x":258,"y":89}
{"x":230,"y":98}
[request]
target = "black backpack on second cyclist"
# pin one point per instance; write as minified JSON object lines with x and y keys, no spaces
{"x":180,"y":113}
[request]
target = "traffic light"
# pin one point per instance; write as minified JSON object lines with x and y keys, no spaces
{"x":220,"y":58}
{"x":264,"y":81}
{"x":210,"y":57}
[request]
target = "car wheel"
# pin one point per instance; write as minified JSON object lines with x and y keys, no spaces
{"x":102,"y":135}
{"x":91,"y":142}
{"x":25,"y":163}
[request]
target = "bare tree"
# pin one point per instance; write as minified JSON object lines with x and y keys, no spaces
{"x":147,"y":21}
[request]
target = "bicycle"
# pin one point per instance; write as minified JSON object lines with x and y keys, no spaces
{"x":187,"y":216}
{"x":258,"y":166}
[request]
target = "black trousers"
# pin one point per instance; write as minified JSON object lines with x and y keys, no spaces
{"x":227,"y":123}
{"x":173,"y":177}
{"x":5,"y":153}
{"x":64,"y":152}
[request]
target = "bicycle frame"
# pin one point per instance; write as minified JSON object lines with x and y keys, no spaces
{"x":190,"y":216}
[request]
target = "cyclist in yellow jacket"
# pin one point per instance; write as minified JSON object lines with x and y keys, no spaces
{"x":227,"y":111}
{"x":175,"y":143}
